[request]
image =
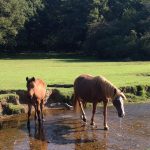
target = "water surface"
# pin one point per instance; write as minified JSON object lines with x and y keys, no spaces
{"x":65,"y":131}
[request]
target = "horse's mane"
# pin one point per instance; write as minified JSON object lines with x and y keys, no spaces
{"x":108,"y":89}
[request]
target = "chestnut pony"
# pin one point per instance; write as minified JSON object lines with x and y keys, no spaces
{"x":97,"y":89}
{"x":36,"y":92}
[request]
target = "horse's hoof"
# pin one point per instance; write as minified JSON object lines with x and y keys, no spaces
{"x":48,"y":141}
{"x":43,"y":120}
{"x":106,"y":128}
{"x":92,"y":124}
{"x":84,"y":120}
{"x":83,"y":125}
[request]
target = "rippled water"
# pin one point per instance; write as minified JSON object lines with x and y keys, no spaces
{"x":65,"y":131}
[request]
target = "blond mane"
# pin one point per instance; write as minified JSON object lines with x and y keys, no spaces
{"x":107,"y":87}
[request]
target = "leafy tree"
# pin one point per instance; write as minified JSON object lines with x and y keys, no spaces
{"x":104,"y":28}
{"x":12,"y":19}
{"x":119,"y":35}
{"x":13,"y":15}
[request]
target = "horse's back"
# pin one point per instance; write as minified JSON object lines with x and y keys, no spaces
{"x":83,"y":82}
{"x":39,"y":89}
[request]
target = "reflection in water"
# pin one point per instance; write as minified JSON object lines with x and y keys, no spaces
{"x":90,"y":141}
{"x":37,"y":139}
{"x":120,"y":128}
{"x":87,"y":138}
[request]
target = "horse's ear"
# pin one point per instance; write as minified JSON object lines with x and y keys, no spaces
{"x":33,"y":78}
{"x":115,"y":91}
{"x":27,"y":78}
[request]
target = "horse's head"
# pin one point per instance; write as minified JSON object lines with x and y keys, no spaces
{"x":119,"y":104}
{"x":30,"y":84}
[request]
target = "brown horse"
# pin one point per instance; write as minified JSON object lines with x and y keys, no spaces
{"x":96,"y":89}
{"x":36,"y":92}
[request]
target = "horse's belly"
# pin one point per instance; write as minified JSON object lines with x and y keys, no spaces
{"x":90,"y":96}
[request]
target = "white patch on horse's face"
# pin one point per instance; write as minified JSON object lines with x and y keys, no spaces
{"x":119,"y":105}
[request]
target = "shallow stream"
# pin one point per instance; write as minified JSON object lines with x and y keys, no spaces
{"x":65,"y":131}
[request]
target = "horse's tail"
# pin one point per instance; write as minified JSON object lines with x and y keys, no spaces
{"x":76,"y":104}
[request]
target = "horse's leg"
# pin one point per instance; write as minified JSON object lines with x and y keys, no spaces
{"x":38,"y":110}
{"x":93,"y":113}
{"x":35,"y":114}
{"x":42,"y":106}
{"x":105,"y":115}
{"x":29,"y":113}
{"x":82,"y":111}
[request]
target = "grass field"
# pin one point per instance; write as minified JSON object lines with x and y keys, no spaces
{"x":13,"y":71}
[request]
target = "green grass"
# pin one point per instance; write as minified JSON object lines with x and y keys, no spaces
{"x":13,"y":71}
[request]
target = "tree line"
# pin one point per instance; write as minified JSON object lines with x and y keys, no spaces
{"x":107,"y":29}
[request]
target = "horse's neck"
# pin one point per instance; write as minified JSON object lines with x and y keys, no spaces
{"x":109,"y":90}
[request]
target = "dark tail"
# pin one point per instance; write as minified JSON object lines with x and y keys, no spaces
{"x":76,"y":104}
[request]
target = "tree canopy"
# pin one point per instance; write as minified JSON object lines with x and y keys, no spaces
{"x":105,"y":28}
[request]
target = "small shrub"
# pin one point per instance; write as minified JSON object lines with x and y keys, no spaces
{"x":10,"y":109}
{"x":9,"y":98}
{"x":141,"y":91}
{"x":58,"y":96}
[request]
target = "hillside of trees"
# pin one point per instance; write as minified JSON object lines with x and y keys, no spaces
{"x":104,"y":28}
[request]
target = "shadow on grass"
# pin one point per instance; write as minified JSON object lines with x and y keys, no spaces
{"x":65,"y":57}
{"x":25,"y":56}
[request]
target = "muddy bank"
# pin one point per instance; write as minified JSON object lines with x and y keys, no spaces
{"x":15,"y":101}
{"x":65,"y":131}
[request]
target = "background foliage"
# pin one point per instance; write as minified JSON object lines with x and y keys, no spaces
{"x":108,"y":29}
